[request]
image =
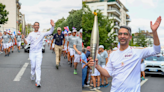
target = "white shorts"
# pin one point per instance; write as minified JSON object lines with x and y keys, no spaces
{"x":142,"y":67}
{"x":11,"y":43}
{"x":97,"y":73}
{"x":53,"y":45}
{"x":5,"y":45}
{"x":72,"y":51}
{"x":103,"y":66}
{"x":77,"y":58}
{"x":18,"y":43}
{"x":65,"y":48}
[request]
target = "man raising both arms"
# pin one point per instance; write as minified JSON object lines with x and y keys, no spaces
{"x":36,"y":40}
{"x":124,"y":64}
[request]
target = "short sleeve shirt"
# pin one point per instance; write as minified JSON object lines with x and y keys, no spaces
{"x":59,"y":39}
{"x":103,"y":56}
{"x":71,"y":40}
{"x":84,"y":58}
{"x":6,"y":38}
{"x":78,"y":43}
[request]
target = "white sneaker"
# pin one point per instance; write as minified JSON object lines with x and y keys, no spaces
{"x":86,"y":85}
{"x":94,"y":89}
{"x":32,"y":77}
{"x":38,"y":84}
{"x":98,"y":87}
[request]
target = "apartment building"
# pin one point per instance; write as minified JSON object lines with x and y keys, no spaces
{"x":114,"y":9}
{"x":13,"y":7}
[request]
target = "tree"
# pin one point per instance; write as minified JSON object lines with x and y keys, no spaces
{"x":104,"y":23}
{"x":141,"y":39}
{"x":3,"y":14}
{"x":58,"y":24}
{"x":20,"y":27}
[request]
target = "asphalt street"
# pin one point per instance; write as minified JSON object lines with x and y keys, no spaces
{"x":53,"y":80}
{"x":152,"y":83}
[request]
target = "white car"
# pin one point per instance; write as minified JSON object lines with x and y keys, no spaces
{"x":27,"y":47}
{"x":154,"y":64}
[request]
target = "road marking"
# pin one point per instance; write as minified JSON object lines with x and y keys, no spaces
{"x":19,"y":75}
{"x":142,"y":82}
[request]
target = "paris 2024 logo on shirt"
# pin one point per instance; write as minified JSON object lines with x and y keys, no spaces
{"x":128,"y":55}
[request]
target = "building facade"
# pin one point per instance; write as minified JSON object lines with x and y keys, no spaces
{"x":114,"y":9}
{"x":13,"y":7}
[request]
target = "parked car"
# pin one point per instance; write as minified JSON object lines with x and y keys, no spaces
{"x":22,"y":44}
{"x":27,"y":47}
{"x":154,"y":64}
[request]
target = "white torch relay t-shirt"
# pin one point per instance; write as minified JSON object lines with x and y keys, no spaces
{"x":124,"y":67}
{"x":36,"y":40}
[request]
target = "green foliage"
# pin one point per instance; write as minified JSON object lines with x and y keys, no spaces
{"x":104,"y":24}
{"x":141,"y":39}
{"x":73,"y":20}
{"x":20,"y":28}
{"x":3,"y":14}
{"x":58,"y":24}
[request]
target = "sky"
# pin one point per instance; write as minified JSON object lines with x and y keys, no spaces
{"x":44,"y":10}
{"x":142,"y":12}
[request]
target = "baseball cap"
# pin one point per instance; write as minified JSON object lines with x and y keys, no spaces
{"x":115,"y":48}
{"x":74,"y":30}
{"x":59,"y":28}
{"x":81,"y":30}
{"x":101,"y":46}
{"x":88,"y":47}
{"x":65,"y":32}
{"x":69,"y":32}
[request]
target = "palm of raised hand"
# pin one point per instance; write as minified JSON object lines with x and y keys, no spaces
{"x":156,"y":24}
{"x":52,"y":23}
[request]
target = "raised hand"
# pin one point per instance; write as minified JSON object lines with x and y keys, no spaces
{"x":52,"y":23}
{"x":156,"y":24}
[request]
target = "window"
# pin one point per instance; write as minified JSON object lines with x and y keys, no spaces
{"x":100,"y":7}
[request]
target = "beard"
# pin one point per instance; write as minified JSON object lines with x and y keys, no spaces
{"x":125,"y":42}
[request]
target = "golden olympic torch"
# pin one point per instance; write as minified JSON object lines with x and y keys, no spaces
{"x":94,"y":41}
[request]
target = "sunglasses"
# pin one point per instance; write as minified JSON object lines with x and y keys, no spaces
{"x":126,"y":34}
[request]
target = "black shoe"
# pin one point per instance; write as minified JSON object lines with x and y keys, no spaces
{"x":70,"y":64}
{"x":12,"y":51}
{"x":102,"y":85}
{"x":57,"y":66}
{"x":7,"y":54}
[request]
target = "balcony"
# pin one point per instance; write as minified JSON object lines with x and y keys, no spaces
{"x":128,"y":20}
{"x":114,"y":10}
{"x":18,"y":4}
{"x":116,"y":26}
{"x":115,"y":18}
{"x":115,"y":41}
{"x":115,"y":34}
{"x":114,"y":2}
